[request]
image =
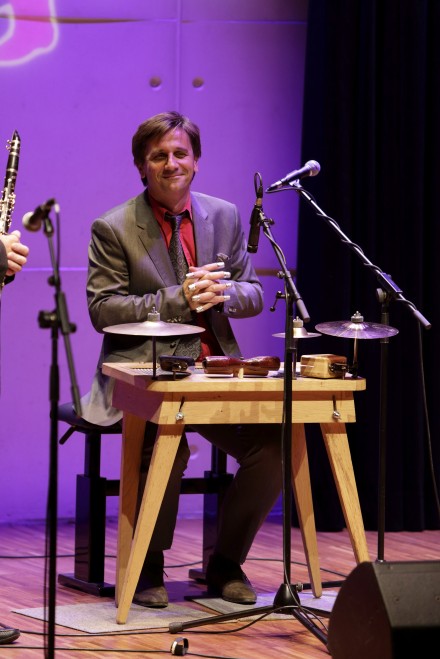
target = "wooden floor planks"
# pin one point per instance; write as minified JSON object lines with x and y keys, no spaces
{"x":22,"y":573}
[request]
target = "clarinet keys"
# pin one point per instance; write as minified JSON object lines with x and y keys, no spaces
{"x":8,"y":193}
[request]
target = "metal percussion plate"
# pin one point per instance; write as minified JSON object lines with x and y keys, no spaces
{"x":356,"y":330}
{"x":298,"y":333}
{"x":153,"y":328}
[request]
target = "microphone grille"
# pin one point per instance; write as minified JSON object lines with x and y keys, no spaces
{"x":28,"y":224}
{"x":314,"y":167}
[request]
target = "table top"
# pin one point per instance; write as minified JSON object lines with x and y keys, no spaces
{"x":140,"y":375}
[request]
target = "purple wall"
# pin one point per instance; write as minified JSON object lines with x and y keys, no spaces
{"x":76,"y":87}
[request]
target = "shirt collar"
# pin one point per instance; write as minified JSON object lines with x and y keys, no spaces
{"x":159,"y":211}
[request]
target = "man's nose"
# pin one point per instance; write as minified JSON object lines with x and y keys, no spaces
{"x":171,"y":160}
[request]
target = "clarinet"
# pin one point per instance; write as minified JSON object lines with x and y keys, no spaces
{"x":8,"y":194}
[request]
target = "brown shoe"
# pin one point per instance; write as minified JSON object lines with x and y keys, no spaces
{"x":8,"y":634}
{"x":155,"y":597}
{"x":226,"y":579}
{"x":150,"y":590}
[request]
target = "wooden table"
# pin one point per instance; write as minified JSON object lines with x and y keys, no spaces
{"x":201,"y":398}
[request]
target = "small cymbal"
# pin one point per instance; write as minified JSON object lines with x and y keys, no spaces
{"x":153,"y":328}
{"x":353,"y":329}
{"x":298,"y":333}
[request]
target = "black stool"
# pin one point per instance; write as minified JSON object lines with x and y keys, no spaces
{"x":92,"y":490}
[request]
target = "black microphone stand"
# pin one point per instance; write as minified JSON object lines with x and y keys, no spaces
{"x":55,"y":319}
{"x":286,"y":599}
{"x":389,"y":291}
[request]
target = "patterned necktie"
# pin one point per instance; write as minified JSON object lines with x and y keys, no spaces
{"x":175,"y":248}
{"x":189,"y":347}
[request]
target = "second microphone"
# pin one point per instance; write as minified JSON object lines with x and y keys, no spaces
{"x":32,"y":220}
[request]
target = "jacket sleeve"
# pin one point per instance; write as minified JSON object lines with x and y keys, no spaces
{"x":3,"y":262}
{"x":220,"y":237}
{"x":4,"y":266}
{"x":246,"y":292}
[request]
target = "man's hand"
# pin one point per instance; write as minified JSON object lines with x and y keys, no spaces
{"x":16,"y":252}
{"x":204,"y":286}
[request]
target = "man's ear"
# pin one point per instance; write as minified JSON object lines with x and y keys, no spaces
{"x":141,"y":174}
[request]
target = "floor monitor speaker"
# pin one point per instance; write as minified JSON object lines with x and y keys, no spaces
{"x":387,"y":610}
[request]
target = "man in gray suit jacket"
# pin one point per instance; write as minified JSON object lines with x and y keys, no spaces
{"x":130,"y":275}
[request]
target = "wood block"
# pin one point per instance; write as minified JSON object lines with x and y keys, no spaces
{"x":323,"y":366}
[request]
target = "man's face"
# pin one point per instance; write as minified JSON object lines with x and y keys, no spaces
{"x":169,"y":166}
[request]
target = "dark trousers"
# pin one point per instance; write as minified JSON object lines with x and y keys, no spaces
{"x":250,"y":496}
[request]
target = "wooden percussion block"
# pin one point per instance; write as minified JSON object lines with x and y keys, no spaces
{"x":323,"y":366}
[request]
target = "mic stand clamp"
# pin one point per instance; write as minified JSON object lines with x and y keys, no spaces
{"x":263,"y":220}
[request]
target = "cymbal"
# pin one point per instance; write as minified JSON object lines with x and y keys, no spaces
{"x":356,"y":330}
{"x":298,"y":333}
{"x":153,"y":328}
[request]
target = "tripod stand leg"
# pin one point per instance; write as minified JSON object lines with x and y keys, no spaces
{"x":304,"y":505}
{"x":338,"y":451}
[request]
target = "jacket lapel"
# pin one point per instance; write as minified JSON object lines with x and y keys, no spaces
{"x":150,"y":235}
{"x":203,"y":232}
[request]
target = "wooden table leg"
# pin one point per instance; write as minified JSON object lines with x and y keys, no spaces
{"x":304,"y":505}
{"x":338,"y":451}
{"x":164,"y":453}
{"x":133,"y":431}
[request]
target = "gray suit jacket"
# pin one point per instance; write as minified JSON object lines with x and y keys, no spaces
{"x":130,"y":272}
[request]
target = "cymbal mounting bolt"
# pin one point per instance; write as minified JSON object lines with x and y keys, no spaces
{"x":180,"y":415}
{"x":336,"y":414}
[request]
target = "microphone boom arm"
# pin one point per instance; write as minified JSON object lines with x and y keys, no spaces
{"x":390,"y":291}
{"x":385,"y":280}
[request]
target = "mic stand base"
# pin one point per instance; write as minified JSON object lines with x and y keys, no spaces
{"x":286,"y":602}
{"x":286,"y":596}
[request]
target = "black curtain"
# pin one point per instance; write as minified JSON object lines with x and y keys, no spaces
{"x":372,"y":120}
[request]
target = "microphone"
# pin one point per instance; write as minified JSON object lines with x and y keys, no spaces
{"x":254,"y":231}
{"x":32,"y":220}
{"x":311,"y":168}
